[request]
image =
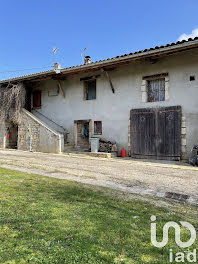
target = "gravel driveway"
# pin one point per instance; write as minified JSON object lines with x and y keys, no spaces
{"x":132,"y":176}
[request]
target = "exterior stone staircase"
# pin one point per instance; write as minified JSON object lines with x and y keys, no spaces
{"x":35,"y":135}
{"x":51,"y":123}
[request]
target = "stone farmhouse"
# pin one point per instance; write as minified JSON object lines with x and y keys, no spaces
{"x":146,"y":101}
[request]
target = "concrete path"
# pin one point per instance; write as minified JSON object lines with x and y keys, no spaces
{"x":132,"y":176}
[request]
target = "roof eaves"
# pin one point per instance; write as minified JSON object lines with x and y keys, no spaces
{"x":135,"y":55}
{"x":143,"y":53}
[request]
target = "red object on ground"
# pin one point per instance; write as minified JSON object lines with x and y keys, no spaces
{"x":8,"y":136}
{"x":123,"y":153}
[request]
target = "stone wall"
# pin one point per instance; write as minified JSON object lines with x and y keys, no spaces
{"x":36,"y":136}
{"x":2,"y":134}
{"x":33,"y":135}
{"x":43,"y":138}
{"x":28,"y":128}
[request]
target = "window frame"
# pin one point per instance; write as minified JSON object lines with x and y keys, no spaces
{"x":156,"y":97}
{"x":85,"y":83}
{"x":95,"y":132}
{"x":144,"y":87}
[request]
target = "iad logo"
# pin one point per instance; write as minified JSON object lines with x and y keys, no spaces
{"x":179,"y":257}
{"x":177,"y":234}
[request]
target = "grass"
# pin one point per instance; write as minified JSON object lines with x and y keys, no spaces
{"x":45,"y":220}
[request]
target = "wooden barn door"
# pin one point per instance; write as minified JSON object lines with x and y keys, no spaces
{"x":143,"y":132}
{"x":169,"y":132}
{"x":156,"y":132}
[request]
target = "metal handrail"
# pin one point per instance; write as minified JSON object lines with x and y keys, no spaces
{"x":50,"y":120}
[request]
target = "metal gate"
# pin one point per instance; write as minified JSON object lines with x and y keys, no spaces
{"x":156,"y":132}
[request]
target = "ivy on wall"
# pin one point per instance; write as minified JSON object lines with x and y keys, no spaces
{"x":12,"y":100}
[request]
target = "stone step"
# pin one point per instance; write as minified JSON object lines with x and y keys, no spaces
{"x":69,"y":148}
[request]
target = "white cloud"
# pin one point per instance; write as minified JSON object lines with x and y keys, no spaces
{"x":185,"y":36}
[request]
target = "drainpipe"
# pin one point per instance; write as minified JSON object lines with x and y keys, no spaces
{"x":60,"y":143}
{"x":31,"y":143}
{"x":4,"y":142}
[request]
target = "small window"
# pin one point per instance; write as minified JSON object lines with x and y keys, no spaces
{"x":97,"y":127}
{"x":156,"y":90}
{"x":37,"y":99}
{"x":192,"y":78}
{"x":90,"y":89}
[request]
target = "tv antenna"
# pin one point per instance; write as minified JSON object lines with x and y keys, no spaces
{"x":83,"y":53}
{"x":55,"y":50}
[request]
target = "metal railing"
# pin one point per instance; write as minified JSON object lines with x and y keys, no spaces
{"x":50,"y":120}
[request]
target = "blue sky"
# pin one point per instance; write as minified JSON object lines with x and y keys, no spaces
{"x":30,"y":29}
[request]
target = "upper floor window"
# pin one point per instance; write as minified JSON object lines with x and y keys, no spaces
{"x":90,"y":89}
{"x":37,"y":99}
{"x":156,"y":90}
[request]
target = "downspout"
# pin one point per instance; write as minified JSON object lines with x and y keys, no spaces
{"x":31,"y":143}
{"x":60,"y":143}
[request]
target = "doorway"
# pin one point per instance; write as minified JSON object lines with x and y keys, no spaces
{"x":82,"y":134}
{"x":11,"y":135}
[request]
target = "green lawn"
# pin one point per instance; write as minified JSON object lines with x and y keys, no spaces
{"x":45,"y":220}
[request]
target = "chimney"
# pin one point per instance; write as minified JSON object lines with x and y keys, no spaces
{"x":57,"y":67}
{"x":87,"y":60}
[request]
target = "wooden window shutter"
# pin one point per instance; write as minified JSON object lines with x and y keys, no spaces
{"x":156,"y":90}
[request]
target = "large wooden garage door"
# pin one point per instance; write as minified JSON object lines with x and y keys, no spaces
{"x":143,"y":132}
{"x":156,"y":132}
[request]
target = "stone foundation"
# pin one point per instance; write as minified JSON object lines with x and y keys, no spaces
{"x":28,"y":130}
{"x":34,"y":135}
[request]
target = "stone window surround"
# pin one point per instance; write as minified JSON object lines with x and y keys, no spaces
{"x":144,"y":86}
{"x":183,"y":138}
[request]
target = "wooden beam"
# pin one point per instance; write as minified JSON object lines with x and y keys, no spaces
{"x":109,"y":79}
{"x":89,"y":78}
{"x":60,"y":77}
{"x":161,"y":75}
{"x":61,"y":88}
{"x":39,"y":79}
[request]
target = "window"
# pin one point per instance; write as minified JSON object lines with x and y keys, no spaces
{"x":156,"y":90}
{"x":37,"y":99}
{"x":90,"y":89}
{"x":97,"y":127}
{"x":192,"y":78}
